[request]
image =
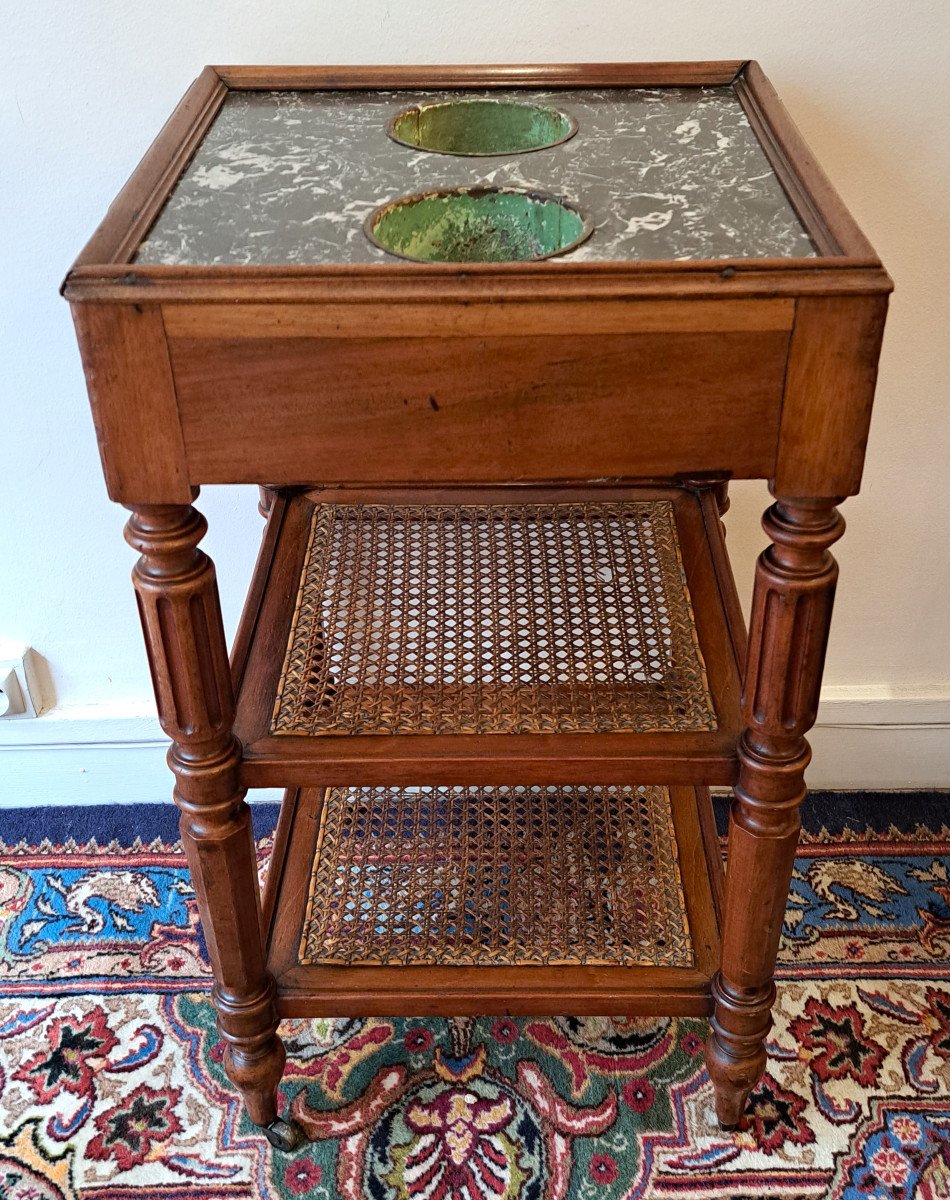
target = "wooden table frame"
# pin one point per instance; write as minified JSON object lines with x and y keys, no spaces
{"x":201,"y":374}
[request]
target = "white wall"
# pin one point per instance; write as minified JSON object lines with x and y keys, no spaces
{"x":86,"y":86}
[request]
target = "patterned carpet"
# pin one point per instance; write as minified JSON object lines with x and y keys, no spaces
{"x":110,"y":1070}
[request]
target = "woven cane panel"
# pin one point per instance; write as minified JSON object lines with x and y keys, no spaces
{"x":497,"y":876}
{"x":535,"y":618}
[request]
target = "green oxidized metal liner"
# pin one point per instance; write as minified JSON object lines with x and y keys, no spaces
{"x":481,"y":127}
{"x":477,"y":225}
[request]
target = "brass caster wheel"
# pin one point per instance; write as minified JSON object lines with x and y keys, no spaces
{"x":284,"y":1135}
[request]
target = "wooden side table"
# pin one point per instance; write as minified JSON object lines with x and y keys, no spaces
{"x":494,"y":339}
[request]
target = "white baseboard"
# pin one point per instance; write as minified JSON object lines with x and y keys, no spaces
{"x":873,"y":738}
{"x":878,"y":738}
{"x":96,"y":755}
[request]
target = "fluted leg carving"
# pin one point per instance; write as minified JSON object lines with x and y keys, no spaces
{"x":791,"y":611}
{"x":178,"y":604}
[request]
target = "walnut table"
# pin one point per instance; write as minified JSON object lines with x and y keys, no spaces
{"x":493,"y":340}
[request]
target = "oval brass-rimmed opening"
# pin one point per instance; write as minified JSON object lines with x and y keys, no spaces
{"x":480,"y":128}
{"x":477,"y":225}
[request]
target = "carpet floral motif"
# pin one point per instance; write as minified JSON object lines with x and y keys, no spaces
{"x":112,"y":1084}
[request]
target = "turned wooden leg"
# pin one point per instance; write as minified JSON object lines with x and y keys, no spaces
{"x":178,"y":603}
{"x":791,"y":610}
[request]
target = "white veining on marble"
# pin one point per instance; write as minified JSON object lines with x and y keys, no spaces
{"x":664,"y":173}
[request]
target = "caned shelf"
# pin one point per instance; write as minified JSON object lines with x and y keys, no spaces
{"x":487,"y":637}
{"x":467,"y":900}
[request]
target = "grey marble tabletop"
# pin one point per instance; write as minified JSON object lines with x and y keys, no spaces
{"x":662,"y":173}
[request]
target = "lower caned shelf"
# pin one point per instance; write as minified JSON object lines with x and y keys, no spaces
{"x":481,"y":900}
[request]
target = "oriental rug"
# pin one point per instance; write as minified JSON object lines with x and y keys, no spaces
{"x":111,"y":1083}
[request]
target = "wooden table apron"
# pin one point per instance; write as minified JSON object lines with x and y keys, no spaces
{"x":443,"y":376}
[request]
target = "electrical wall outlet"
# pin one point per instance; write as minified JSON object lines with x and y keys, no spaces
{"x":21,"y":690}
